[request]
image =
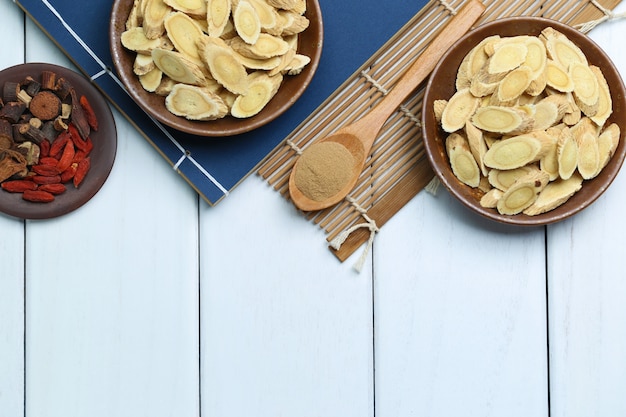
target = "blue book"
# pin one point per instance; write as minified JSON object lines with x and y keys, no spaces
{"x":353,"y":31}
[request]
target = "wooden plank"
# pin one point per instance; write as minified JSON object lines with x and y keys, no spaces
{"x":460,"y":317}
{"x":286,"y":331}
{"x":112,"y":291}
{"x":587,"y":290}
{"x":12,"y":258}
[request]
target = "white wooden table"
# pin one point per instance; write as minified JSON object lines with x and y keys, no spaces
{"x":148,"y":302}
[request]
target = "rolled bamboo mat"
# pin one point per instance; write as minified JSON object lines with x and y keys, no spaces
{"x":398,"y":168}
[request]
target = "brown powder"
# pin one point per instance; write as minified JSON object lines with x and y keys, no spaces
{"x":323,"y":170}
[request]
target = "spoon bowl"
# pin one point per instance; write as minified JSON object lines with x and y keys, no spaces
{"x":358,"y":138}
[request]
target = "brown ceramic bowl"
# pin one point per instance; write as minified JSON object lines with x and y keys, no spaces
{"x":102,"y":156}
{"x":310,"y":43}
{"x":441,"y":86}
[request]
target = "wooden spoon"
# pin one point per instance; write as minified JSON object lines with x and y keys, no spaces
{"x":359,"y":137}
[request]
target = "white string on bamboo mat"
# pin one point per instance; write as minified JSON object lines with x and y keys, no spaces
{"x":369,"y":224}
{"x":608,"y":15}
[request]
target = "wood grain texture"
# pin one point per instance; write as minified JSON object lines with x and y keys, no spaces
{"x":460,"y":318}
{"x":12,"y":261}
{"x":587,"y":288}
{"x":283,"y":333}
{"x":122,"y":339}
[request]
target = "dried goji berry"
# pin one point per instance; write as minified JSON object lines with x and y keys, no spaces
{"x":53,"y":188}
{"x":66,"y":157}
{"x":38,"y":196}
{"x":42,"y":179}
{"x":81,"y":171}
{"x":68,"y":174}
{"x":89,"y":113}
{"x":79,"y":155}
{"x":45,"y":170}
{"x":18,"y":186}
{"x":59,"y":143}
{"x":48,"y":160}
{"x":79,"y":142}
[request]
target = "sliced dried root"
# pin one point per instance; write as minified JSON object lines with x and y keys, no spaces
{"x":143,"y":64}
{"x":504,"y":179}
{"x":554,"y":194}
{"x":247,"y":22}
{"x":561,"y":49}
{"x":297,"y":64}
{"x":503,"y":120}
{"x":218,"y":16}
{"x":195,"y":103}
{"x":490,"y":198}
{"x":588,"y":161}
{"x":458,"y":110}
{"x":508,"y":55}
{"x":154,"y":12}
{"x":261,"y":90}
{"x":266,"y":46}
{"x":194,"y":8}
{"x":151,"y":80}
{"x":515,"y":83}
{"x":292,"y":23}
{"x":605,"y":103}
{"x":566,"y":153}
{"x":536,"y":57}
{"x":586,"y":88}
{"x":522,"y":193}
{"x":135,"y":40}
{"x":223,"y":64}
{"x":179,"y":68}
{"x":607,"y":143}
{"x":284,"y":4}
{"x":183,"y":31}
{"x":516,"y":152}
{"x":268,"y":16}
{"x":462,"y":161}
{"x":549,"y":162}
{"x":477,"y":145}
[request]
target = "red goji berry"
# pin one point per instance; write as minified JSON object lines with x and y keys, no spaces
{"x":38,"y":196}
{"x":18,"y":186}
{"x":53,"y":188}
{"x":45,"y":170}
{"x":59,"y":143}
{"x":89,"y":113}
{"x":81,"y":171}
{"x":68,"y":174}
{"x":48,"y":160}
{"x":79,"y":155}
{"x":66,"y":157}
{"x":42,"y":179}
{"x":78,"y":140}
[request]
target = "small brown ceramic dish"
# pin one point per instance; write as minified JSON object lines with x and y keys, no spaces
{"x":442,"y":86}
{"x":310,"y":44}
{"x":102,"y":155}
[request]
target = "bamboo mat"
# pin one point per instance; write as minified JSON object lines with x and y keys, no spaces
{"x":398,"y":168}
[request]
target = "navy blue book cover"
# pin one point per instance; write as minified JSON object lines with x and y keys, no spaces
{"x":353,"y":31}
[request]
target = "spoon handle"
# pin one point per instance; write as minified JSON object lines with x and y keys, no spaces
{"x":425,"y":63}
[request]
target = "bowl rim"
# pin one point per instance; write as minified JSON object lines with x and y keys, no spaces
{"x":460,"y":191}
{"x":228,"y":126}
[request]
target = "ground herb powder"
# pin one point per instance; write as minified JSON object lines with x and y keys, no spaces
{"x":323,"y":170}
